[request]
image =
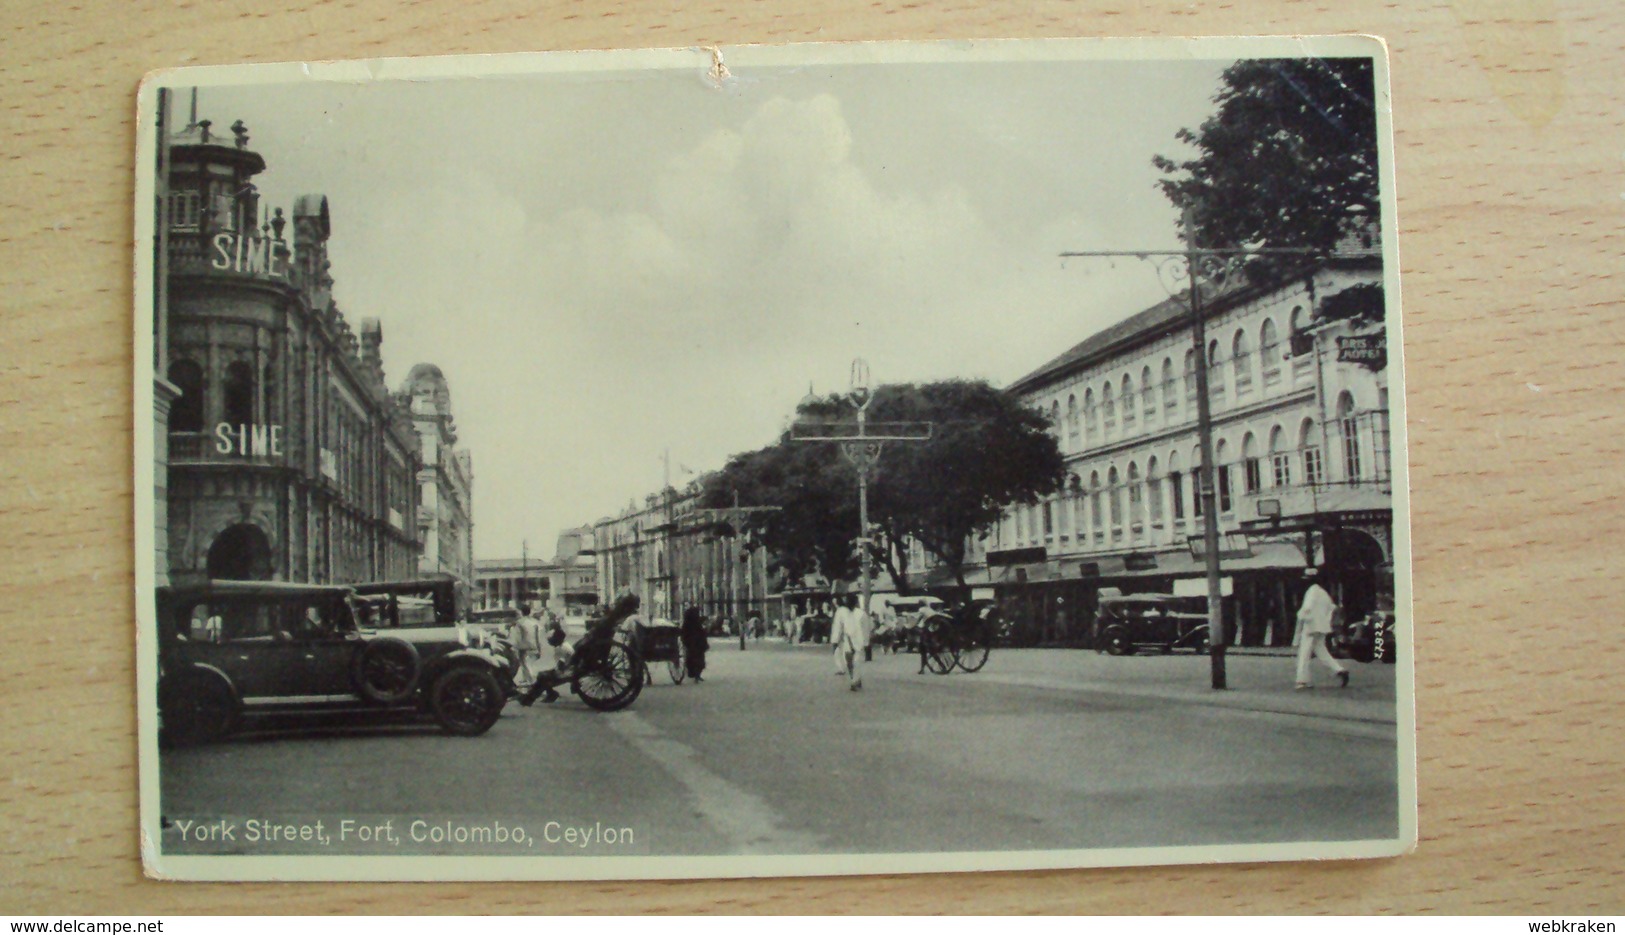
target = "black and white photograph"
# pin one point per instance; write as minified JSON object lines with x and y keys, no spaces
{"x":772,"y":461}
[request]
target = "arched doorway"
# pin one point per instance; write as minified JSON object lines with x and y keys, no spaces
{"x":1354,"y":560}
{"x":240,"y":553}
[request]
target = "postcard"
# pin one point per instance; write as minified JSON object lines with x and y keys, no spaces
{"x":760,"y":461}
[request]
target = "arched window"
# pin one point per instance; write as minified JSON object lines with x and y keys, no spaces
{"x":1148,"y":395}
{"x":1128,"y":402}
{"x":1176,"y":485}
{"x":1280,"y":459}
{"x":1063,"y":505}
{"x":1221,"y":474}
{"x":1055,"y":418}
{"x":1297,"y":321}
{"x":1349,"y":426}
{"x":1170,"y":399}
{"x":1252,"y":468}
{"x":1136,"y":496}
{"x":1215,"y":374}
{"x":1153,"y":491}
{"x":1109,"y":407}
{"x":186,"y":413}
{"x":1241,"y":362}
{"x":1269,"y":354}
{"x":239,"y":393}
{"x":1309,"y":444}
{"x":1190,"y":382}
{"x":1095,"y":520}
{"x":1114,"y":498}
{"x":1196,"y":482}
{"x":1091,"y":416}
{"x":1072,"y":419}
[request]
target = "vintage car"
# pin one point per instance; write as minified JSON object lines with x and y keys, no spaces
{"x":234,"y":651}
{"x":1126,"y":623}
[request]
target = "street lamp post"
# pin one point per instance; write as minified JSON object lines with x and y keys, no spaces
{"x":863,"y":449}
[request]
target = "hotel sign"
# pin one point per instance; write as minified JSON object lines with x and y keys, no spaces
{"x":1368,"y":349}
{"x":248,"y":441}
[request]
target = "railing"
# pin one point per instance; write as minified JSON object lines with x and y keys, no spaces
{"x":258,"y":258}
{"x":202,"y":447}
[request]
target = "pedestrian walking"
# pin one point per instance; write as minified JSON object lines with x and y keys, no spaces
{"x":1314,"y":624}
{"x":846,"y":633}
{"x":695,"y":642}
{"x":527,"y":642}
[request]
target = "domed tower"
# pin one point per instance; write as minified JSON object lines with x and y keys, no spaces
{"x":287,"y":457}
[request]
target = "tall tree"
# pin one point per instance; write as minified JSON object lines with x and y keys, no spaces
{"x":1289,"y":159}
{"x":986,"y":452}
{"x":817,"y":519}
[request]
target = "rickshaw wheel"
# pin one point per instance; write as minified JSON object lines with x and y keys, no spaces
{"x":611,"y":681}
{"x":940,"y":651}
{"x":974,"y":655}
{"x":677,"y":666}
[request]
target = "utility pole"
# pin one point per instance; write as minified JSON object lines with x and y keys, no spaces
{"x":863,"y":449}
{"x":1185,"y":268}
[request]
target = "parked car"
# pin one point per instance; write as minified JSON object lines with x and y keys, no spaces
{"x":234,"y":651}
{"x":1370,"y":638}
{"x":1125,"y":623}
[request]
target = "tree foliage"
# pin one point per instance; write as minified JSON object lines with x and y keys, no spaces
{"x":1289,"y":159}
{"x":986,"y":451}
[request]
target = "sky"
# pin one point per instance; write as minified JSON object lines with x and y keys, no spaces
{"x":616,"y":264}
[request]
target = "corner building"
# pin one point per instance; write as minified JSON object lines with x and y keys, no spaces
{"x":1301,"y":456}
{"x":288,"y":458}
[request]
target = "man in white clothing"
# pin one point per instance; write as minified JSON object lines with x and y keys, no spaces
{"x":846,"y":633}
{"x":1314,"y":624}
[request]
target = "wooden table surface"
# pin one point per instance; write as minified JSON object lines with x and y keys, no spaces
{"x":1510,"y":154}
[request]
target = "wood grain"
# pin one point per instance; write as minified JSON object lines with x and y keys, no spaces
{"x":1509,"y":155}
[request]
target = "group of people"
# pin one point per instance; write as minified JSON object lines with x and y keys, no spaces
{"x":850,"y":640}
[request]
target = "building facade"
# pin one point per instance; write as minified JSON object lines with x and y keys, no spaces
{"x":674,"y":555}
{"x":287,"y":457}
{"x":445,"y":477}
{"x":1301,"y":456}
{"x":566,"y":584}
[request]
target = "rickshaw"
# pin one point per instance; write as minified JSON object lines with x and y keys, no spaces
{"x":961,"y":637}
{"x":604,"y":671}
{"x":661,"y":641}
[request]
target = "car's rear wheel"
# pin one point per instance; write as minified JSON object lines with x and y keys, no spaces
{"x":1199,"y":643}
{"x":197,"y":708}
{"x":610,"y":678}
{"x":1118,"y":642}
{"x":386,"y":670}
{"x":467,"y":700}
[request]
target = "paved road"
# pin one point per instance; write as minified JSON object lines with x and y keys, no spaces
{"x":771,"y":754}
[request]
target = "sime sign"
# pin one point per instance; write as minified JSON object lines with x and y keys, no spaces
{"x":242,"y":253}
{"x":248,"y":441}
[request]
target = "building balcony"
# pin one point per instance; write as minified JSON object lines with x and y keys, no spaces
{"x":231,"y":255}
{"x":231,"y":449}
{"x":1303,"y":501}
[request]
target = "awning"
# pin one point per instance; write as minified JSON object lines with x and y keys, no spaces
{"x":1181,"y":564}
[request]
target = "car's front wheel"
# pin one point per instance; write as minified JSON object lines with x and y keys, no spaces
{"x":196,"y":708}
{"x":1118,"y":642}
{"x":466,"y":700}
